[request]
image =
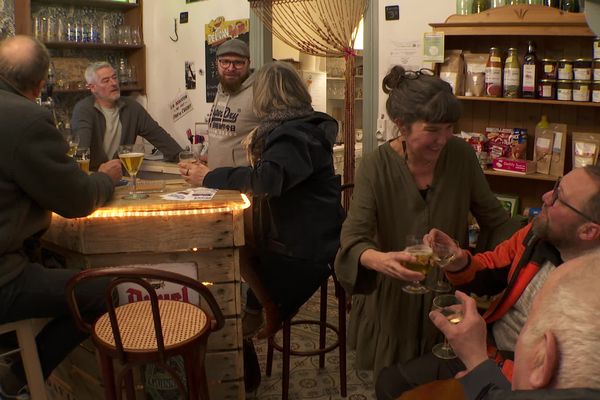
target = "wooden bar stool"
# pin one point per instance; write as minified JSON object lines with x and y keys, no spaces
{"x":150,"y":331}
{"x":26,"y":331}
{"x":323,"y":349}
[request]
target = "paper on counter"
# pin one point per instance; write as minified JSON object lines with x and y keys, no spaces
{"x":191,"y":194}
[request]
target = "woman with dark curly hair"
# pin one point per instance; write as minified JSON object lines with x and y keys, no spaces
{"x":423,"y":179}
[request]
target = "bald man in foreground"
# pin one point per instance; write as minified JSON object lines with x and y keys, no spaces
{"x":38,"y":178}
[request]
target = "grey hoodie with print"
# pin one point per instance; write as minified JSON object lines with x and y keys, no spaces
{"x":231,"y":119}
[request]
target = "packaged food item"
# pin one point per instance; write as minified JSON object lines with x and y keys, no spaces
{"x":475,"y":78}
{"x":564,"y":90}
{"x":585,"y":149}
{"x":542,"y":152}
{"x":596,"y":91}
{"x":512,"y":74}
{"x":596,"y":70}
{"x":452,"y":71}
{"x":582,"y":69}
{"x":549,"y":70}
{"x":510,"y":143}
{"x":581,"y":90}
{"x":547,"y":89}
{"x":559,"y":149}
{"x":565,"y":69}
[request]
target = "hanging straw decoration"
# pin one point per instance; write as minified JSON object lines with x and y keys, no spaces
{"x":324,"y":28}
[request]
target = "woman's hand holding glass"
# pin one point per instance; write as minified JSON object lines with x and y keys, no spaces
{"x":467,"y":337}
{"x":391,"y":263}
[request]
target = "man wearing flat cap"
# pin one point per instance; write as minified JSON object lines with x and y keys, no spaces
{"x":232,"y":117}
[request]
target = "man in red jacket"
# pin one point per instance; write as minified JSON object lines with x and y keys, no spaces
{"x":568,"y":226}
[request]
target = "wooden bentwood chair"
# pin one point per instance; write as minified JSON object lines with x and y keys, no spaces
{"x":339,"y":331}
{"x":149,"y":331}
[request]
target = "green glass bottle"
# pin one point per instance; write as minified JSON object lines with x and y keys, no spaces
{"x":479,"y":6}
{"x":570,"y":5}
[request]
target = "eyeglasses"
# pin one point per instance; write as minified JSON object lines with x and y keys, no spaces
{"x":237,"y":64}
{"x":555,"y":197}
{"x":415,"y":74}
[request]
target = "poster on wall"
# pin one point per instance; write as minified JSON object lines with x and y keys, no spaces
{"x":216,"y":32}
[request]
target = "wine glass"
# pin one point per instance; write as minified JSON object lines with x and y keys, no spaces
{"x":451,"y":308}
{"x":422,"y":253}
{"x":442,"y":256}
{"x":131,"y":156}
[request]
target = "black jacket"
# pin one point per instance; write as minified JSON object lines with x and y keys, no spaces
{"x":296,"y":194}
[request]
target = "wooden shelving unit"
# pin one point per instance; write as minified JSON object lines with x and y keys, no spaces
{"x":558,"y":35}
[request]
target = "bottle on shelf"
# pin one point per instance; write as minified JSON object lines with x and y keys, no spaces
{"x":543,"y":123}
{"x":493,"y":74}
{"x":570,"y":5}
{"x":530,"y":72}
{"x":463,"y":7}
{"x":512,"y":74}
{"x":479,"y":6}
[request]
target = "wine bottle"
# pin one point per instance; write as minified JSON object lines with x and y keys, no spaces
{"x":530,"y":72}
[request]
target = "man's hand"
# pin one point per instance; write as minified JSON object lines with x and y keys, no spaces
{"x":460,"y":257}
{"x":113,"y":169}
{"x":193,"y":173}
{"x":391,"y":263}
{"x":468,"y":338}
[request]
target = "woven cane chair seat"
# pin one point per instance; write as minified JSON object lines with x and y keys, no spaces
{"x":181,"y":322}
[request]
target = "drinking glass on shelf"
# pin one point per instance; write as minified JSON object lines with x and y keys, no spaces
{"x":132,"y":156}
{"x":124,"y":34}
{"x":451,"y":308}
{"x":442,"y":256}
{"x":136,"y":38}
{"x":422,"y":253}
{"x":82,"y":156}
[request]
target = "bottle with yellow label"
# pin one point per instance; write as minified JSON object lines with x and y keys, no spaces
{"x":512,"y":74}
{"x":493,"y":74}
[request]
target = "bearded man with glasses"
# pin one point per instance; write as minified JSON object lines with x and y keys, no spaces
{"x":231,"y":117}
{"x":567,"y":227}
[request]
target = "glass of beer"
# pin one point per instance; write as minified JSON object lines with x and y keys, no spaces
{"x":422,"y":254}
{"x":73,"y":142}
{"x":82,"y":156}
{"x":451,"y":308}
{"x":131,"y":156}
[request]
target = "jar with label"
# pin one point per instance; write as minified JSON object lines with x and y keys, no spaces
{"x":493,"y":74}
{"x":597,"y":47}
{"x":547,"y":89}
{"x":549,"y":70}
{"x":564,"y":90}
{"x":565,"y":69}
{"x":581,"y":90}
{"x":596,"y":70}
{"x":512,"y":74}
{"x":582,"y":69}
{"x":596,"y":91}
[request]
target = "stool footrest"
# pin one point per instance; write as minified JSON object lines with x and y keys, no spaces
{"x":309,"y":353}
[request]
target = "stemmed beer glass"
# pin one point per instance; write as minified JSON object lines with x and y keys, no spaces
{"x":132,"y":156}
{"x":451,"y":308}
{"x":422,"y":253}
{"x":442,"y":256}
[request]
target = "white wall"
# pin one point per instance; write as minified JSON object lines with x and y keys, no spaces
{"x":415,"y":17}
{"x":165,"y":59}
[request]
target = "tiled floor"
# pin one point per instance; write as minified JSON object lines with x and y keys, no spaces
{"x":307,"y":381}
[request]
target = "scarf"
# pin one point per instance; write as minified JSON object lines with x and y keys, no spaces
{"x":256,"y":140}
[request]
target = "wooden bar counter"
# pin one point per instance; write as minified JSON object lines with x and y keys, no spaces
{"x":207,"y":234}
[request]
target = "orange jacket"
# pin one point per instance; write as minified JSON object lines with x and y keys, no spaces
{"x":523,"y":253}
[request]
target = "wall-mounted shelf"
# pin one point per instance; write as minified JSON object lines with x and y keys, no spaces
{"x":106,"y":4}
{"x":97,"y":46}
{"x":530,"y":101}
{"x":536,"y":176}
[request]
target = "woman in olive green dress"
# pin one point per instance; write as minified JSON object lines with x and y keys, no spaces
{"x":424,"y":179}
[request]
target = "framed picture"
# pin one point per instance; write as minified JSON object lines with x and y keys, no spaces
{"x":510,"y":203}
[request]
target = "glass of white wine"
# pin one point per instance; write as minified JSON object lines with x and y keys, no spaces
{"x":132,"y":156}
{"x":73,"y":142}
{"x":451,"y":308}
{"x":422,"y":254}
{"x":442,"y":256}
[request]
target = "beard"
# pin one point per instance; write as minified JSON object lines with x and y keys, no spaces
{"x":565,"y":237}
{"x":232,"y":86}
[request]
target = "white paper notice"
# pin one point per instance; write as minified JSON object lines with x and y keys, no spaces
{"x":191,"y":194}
{"x":408,"y":54}
{"x":181,"y":106}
